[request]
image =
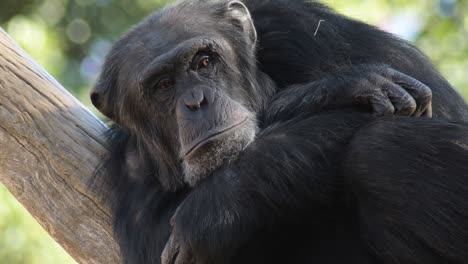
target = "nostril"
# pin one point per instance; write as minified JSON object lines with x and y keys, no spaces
{"x":195,"y":100}
{"x":95,"y":99}
{"x":193,"y":107}
{"x":204,"y":101}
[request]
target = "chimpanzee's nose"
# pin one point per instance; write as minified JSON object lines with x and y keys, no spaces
{"x":195,"y":99}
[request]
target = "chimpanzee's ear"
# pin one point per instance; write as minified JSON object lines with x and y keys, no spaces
{"x":100,"y":97}
{"x":238,"y":13}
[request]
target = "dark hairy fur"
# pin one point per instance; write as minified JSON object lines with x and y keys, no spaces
{"x":316,"y":185}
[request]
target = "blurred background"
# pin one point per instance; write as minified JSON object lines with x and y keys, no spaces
{"x":71,"y":37}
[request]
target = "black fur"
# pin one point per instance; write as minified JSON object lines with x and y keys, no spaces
{"x":315,"y":186}
{"x":290,"y":52}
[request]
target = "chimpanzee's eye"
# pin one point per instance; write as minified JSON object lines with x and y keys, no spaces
{"x":165,"y":84}
{"x":204,"y":62}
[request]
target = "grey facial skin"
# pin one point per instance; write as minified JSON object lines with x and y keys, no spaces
{"x":217,"y":150}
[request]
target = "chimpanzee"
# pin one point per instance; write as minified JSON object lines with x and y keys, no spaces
{"x":242,"y":136}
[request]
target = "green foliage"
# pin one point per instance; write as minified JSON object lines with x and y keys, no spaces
{"x":70,"y":37}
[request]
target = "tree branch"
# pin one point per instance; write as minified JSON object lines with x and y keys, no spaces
{"x":50,"y":145}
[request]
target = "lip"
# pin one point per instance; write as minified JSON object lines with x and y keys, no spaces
{"x":199,"y":143}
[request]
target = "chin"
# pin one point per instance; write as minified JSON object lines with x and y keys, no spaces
{"x":216,"y":151}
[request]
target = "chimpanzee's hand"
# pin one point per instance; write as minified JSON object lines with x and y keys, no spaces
{"x":205,"y":230}
{"x":176,"y":252}
{"x":388,"y":91}
{"x":379,"y":88}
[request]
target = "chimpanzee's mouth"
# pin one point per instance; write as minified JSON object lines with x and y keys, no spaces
{"x":199,"y":143}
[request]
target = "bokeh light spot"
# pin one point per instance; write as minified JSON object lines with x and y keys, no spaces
{"x":78,"y":31}
{"x":30,"y":34}
{"x":52,"y":11}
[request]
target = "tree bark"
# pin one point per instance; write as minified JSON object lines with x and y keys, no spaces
{"x":50,"y":145}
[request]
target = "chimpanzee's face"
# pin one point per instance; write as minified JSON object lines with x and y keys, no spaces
{"x":183,"y":83}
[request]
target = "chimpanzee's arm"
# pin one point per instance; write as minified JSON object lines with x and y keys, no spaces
{"x":378,"y":88}
{"x":289,"y":168}
{"x":409,"y":179}
{"x":291,"y":165}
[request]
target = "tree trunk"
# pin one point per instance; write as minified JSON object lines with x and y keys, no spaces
{"x":50,"y":145}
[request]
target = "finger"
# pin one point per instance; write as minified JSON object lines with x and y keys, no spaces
{"x":428,"y":112}
{"x":170,"y":251}
{"x":378,"y":101}
{"x":403,"y":102}
{"x":424,"y":102}
{"x":421,"y":93}
{"x":425,"y":109}
{"x":184,"y":257}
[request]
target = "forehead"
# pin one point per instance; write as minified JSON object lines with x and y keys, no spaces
{"x":163,"y":31}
